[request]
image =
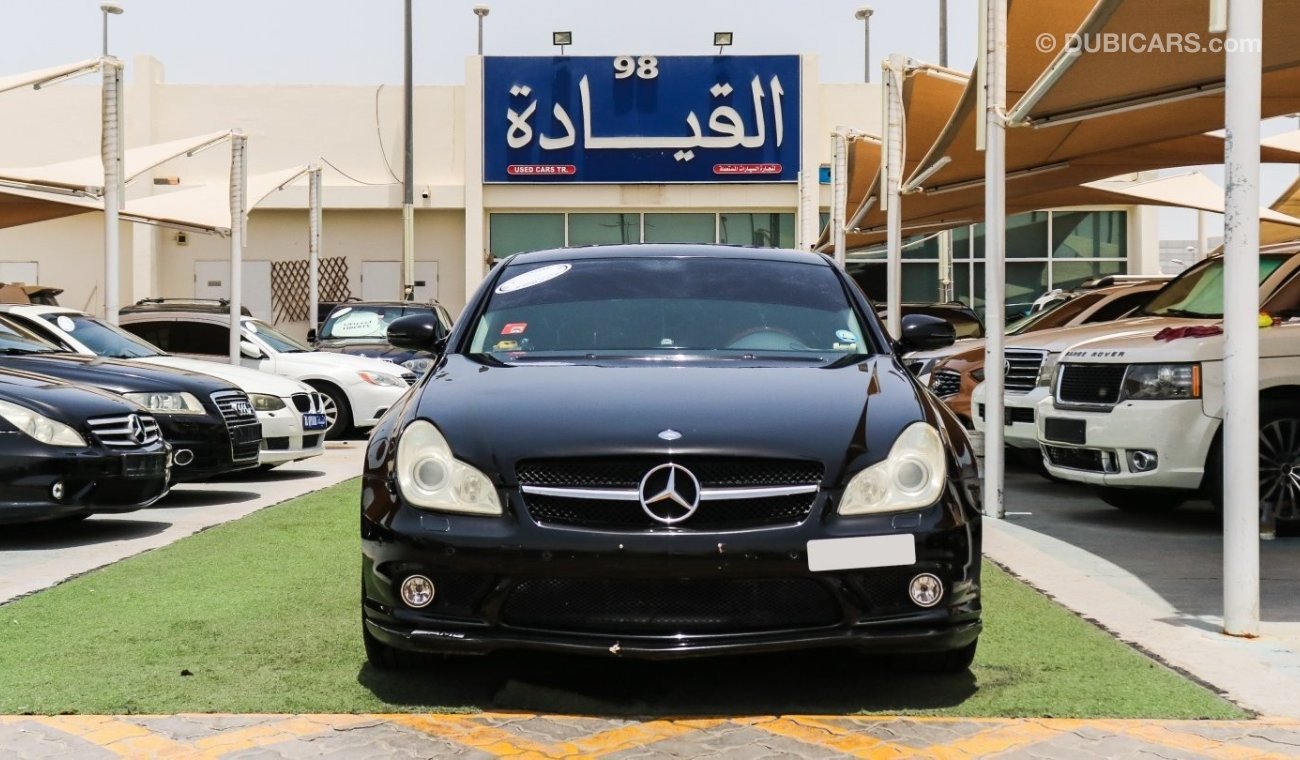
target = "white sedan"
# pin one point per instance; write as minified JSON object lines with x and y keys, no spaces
{"x":292,"y":413}
{"x":356,"y":390}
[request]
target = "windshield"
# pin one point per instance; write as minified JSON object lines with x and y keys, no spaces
{"x":15,"y":338}
{"x":102,"y":338}
{"x":727,"y":308}
{"x":351,"y":322}
{"x":1058,"y":314}
{"x":277,"y":340}
{"x":1198,"y":292}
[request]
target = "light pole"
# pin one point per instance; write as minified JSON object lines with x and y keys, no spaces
{"x":481,"y":11}
{"x":863,"y":14}
{"x":408,"y":163}
{"x":943,"y":33}
{"x":109,"y":8}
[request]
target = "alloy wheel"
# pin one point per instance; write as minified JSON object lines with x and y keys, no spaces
{"x":1279,"y":468}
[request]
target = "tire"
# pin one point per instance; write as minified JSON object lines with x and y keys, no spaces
{"x":1274,"y":416}
{"x":337,"y":411}
{"x":951,"y":661}
{"x":1142,"y":500}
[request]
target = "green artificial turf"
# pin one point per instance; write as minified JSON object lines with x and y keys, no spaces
{"x":262,"y":615}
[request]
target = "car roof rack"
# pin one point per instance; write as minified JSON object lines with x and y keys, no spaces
{"x":205,"y":305}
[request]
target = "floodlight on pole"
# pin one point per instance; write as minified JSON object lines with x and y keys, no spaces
{"x":863,"y":14}
{"x":561,"y":40}
{"x":722,"y":40}
{"x":481,"y":11}
{"x":109,"y":9}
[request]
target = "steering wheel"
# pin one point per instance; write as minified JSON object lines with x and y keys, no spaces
{"x":767,"y":339}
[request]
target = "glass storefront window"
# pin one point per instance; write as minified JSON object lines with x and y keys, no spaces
{"x":680,"y":228}
{"x":1090,"y":235}
{"x":761,"y":230}
{"x":516,"y":233}
{"x":1072,"y":274}
{"x":604,"y":229}
{"x":921,"y":247}
{"x":920,"y":283}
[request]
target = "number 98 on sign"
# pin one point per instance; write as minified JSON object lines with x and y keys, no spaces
{"x":644,"y":67}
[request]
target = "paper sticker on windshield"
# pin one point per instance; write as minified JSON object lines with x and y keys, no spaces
{"x":362,"y":324}
{"x":515,"y":328}
{"x":846,"y":336}
{"x":66,"y":324}
{"x":535,"y":277}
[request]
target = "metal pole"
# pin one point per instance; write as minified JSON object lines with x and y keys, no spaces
{"x":1243,"y":522}
{"x":313,"y":247}
{"x":945,"y":267}
{"x":1202,"y":236}
{"x":238,"y":190}
{"x":110,"y":153}
{"x":480,"y":11}
{"x":943,"y":33}
{"x":893,"y":197}
{"x":839,"y":195}
{"x":995,"y":223}
{"x":408,"y":186}
{"x":863,"y":14}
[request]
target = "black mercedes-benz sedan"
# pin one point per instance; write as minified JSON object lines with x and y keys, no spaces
{"x":210,"y":424}
{"x":663,"y":451}
{"x":67,"y":452}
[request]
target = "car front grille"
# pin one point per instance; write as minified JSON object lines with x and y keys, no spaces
{"x":666,"y":607}
{"x":121,"y":432}
{"x":1022,"y":368}
{"x":409,"y":377}
{"x":600,"y":492}
{"x":241,"y":423}
{"x":308,"y":403}
{"x":1087,"y":460}
{"x":1090,"y":383}
{"x":1011,"y":414}
{"x":945,"y":383}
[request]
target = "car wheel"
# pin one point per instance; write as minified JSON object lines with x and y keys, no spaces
{"x":951,"y":661}
{"x":1148,"y":500}
{"x":337,"y":412}
{"x":1279,"y":463}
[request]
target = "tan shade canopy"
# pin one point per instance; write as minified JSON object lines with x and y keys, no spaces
{"x":1288,"y":203}
{"x":206,"y":208}
{"x":17,"y":209}
{"x":86,"y":174}
{"x":17,"y":81}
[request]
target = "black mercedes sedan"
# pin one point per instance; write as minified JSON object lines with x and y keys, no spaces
{"x":210,"y":424}
{"x":360,"y":328}
{"x":67,"y":452}
{"x":661,"y":451}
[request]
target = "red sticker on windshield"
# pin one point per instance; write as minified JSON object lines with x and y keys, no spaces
{"x":514,"y":328}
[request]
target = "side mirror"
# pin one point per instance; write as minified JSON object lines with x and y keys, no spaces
{"x":418,"y":332}
{"x":311,"y":335}
{"x":250,"y":351}
{"x":922,"y":332}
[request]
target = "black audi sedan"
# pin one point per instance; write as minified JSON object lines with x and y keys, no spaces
{"x":67,"y":452}
{"x":210,"y":424}
{"x":663,"y":451}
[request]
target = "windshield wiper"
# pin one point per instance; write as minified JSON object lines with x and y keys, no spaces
{"x":1185,"y":313}
{"x":24,"y":351}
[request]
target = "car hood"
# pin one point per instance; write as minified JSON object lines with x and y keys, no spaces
{"x":942,"y":353}
{"x":1061,"y":338}
{"x":327,"y":361}
{"x":372,"y":349}
{"x":115,"y":375}
{"x":65,"y":402}
{"x":248,"y":380}
{"x":494,"y":415}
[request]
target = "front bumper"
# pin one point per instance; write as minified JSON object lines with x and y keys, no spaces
{"x":211,"y":446}
{"x":369,"y":402}
{"x":93,"y":480}
{"x":1020,"y":426}
{"x":510,"y":583}
{"x":1177,"y":432}
{"x":285,"y":440}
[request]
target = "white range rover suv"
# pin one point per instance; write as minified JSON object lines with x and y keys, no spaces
{"x":292,"y":413}
{"x":1193,"y":298}
{"x":1139,"y":415}
{"x":356,"y":390}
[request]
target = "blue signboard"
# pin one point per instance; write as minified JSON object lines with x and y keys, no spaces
{"x":641,"y":118}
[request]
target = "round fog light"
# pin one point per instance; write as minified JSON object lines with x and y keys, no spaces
{"x":926,"y":590}
{"x":57,"y":490}
{"x":417,"y":591}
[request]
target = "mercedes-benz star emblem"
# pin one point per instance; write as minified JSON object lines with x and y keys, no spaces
{"x":669,"y":493}
{"x":135,"y":428}
{"x":670,"y":434}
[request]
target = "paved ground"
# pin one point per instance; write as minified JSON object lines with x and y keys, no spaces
{"x":531,"y":736}
{"x":33,"y":557}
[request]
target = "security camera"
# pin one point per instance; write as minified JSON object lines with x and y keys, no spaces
{"x":425,"y":195}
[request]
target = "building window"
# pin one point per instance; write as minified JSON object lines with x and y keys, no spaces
{"x":1089,"y":235}
{"x":761,"y":230}
{"x":516,"y":233}
{"x":603,"y":229}
{"x":681,"y":228}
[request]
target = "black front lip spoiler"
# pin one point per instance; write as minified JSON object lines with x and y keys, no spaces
{"x":910,"y":639}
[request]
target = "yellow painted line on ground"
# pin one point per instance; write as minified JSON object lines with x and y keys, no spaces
{"x":117,"y":736}
{"x":992,"y":741}
{"x":267,"y":734}
{"x":1165,"y":736}
{"x":631,"y":736}
{"x":819,"y":734}
{"x":467,"y":731}
{"x":503,"y":742}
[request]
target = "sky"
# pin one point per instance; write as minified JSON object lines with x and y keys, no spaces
{"x":359,"y":42}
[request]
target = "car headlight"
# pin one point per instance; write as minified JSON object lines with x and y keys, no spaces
{"x":911,"y":477}
{"x":382,"y":380}
{"x":39,"y":426}
{"x":418,"y":366}
{"x":266,"y":403}
{"x":430,"y":477}
{"x":1162,"y":381}
{"x":168,"y":403}
{"x":1047,"y":370}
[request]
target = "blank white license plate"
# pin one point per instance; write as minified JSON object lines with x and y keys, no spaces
{"x":861,"y":552}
